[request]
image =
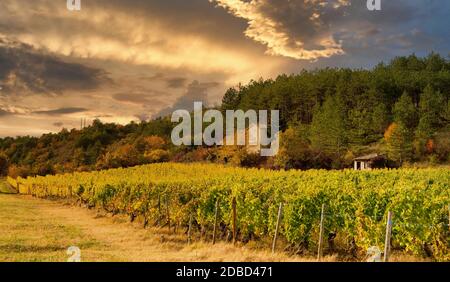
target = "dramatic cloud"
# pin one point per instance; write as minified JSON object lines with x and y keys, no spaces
{"x":61,"y":111}
{"x":176,"y":82}
{"x":196,"y":92}
{"x":4,"y":113}
{"x":139,"y":98}
{"x":276,"y":24}
{"x":135,"y":59}
{"x":107,"y":31}
{"x":24,"y":70}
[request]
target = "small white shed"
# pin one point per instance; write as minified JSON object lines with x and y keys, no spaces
{"x":369,"y":162}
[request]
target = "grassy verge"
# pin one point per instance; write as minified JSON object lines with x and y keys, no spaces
{"x":42,"y":230}
{"x":5,"y":188}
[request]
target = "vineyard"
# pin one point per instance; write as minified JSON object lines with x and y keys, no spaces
{"x":357,"y":203}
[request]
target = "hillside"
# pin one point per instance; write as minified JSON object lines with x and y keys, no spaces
{"x":328,"y":117}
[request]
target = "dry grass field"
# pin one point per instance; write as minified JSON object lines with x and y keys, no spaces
{"x":41,"y":230}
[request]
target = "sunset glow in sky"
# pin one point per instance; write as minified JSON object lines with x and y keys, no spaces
{"x":120,"y":60}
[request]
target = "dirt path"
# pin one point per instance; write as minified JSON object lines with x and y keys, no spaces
{"x":41,"y":230}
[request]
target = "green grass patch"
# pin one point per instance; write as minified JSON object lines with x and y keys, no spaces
{"x":29,"y":234}
{"x":5,"y":188}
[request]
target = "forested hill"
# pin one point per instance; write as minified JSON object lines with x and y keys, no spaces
{"x":328,"y":116}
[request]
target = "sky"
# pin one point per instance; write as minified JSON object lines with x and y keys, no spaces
{"x":131,"y":60}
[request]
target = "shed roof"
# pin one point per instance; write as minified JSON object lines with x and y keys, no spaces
{"x":370,"y":157}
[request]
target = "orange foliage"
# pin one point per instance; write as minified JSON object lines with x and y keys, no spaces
{"x":391,"y":129}
{"x":154,"y":142}
{"x":430,"y":146}
{"x":15,"y":171}
{"x":156,"y":155}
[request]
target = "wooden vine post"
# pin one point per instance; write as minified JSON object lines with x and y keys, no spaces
{"x":449,"y":217}
{"x":275,"y":237}
{"x":168,"y":212}
{"x":233,"y":205}
{"x":387,"y":241}
{"x":321,"y":231}
{"x":159,"y":210}
{"x":216,"y":214}
{"x":190,"y":230}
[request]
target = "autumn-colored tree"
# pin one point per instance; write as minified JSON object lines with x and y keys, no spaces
{"x":430,"y":146}
{"x":153,"y":149}
{"x":150,"y":143}
{"x":399,"y":143}
{"x":15,"y":171}
{"x":156,"y":156}
{"x":120,"y":156}
{"x":294,"y":150}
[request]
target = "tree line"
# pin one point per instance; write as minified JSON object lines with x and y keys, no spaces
{"x":327,"y":116}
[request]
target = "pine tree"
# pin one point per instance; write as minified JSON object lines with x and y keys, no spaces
{"x":328,"y":128}
{"x":399,"y":142}
{"x":405,"y":112}
{"x":431,"y":107}
{"x":368,"y":118}
{"x":231,"y":99}
{"x":380,"y":119}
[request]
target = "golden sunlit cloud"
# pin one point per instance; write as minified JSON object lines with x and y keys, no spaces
{"x":131,"y":60}
{"x":264,"y":29}
{"x":99,"y":33}
{"x":102,"y":32}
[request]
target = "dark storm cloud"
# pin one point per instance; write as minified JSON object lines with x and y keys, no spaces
{"x":25,"y":70}
{"x":140,"y":98}
{"x":135,"y":98}
{"x":176,"y":82}
{"x":143,"y":117}
{"x":297,"y":28}
{"x":4,"y":113}
{"x":195,"y":92}
{"x":61,"y":111}
{"x":58,"y":124}
{"x":103,"y":116}
{"x":171,"y":82}
{"x":413,"y":39}
{"x":155,"y":77}
{"x":193,"y":16}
